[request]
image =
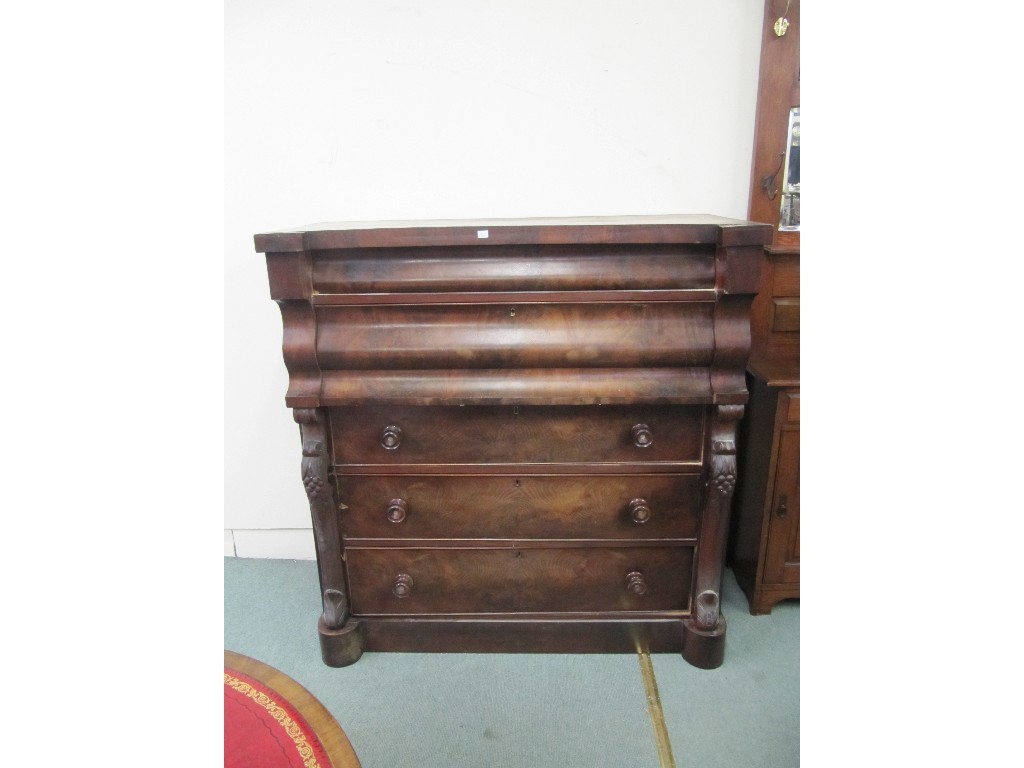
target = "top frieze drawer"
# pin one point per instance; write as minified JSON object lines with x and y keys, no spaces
{"x":514,"y":268}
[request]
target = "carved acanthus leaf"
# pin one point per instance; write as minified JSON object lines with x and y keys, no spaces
{"x":335,"y":608}
{"x":706,"y":609}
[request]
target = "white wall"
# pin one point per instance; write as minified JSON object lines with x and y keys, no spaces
{"x":452,"y":109}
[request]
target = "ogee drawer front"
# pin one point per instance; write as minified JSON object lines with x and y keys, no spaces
{"x":509,"y":507}
{"x":444,"y":581}
{"x":521,"y":336}
{"x":392,"y":435}
{"x":515,"y":268}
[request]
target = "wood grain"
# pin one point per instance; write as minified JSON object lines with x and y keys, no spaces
{"x":526,"y":580}
{"x":584,"y":230}
{"x":509,"y":434}
{"x":513,"y":386}
{"x":526,"y":506}
{"x":526,"y":336}
{"x":521,"y":268}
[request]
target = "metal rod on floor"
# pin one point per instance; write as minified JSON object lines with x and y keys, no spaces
{"x":654,"y":710}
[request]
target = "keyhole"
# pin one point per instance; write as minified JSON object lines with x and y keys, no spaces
{"x":512,"y":312}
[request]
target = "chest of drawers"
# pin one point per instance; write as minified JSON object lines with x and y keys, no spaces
{"x":518,"y":435}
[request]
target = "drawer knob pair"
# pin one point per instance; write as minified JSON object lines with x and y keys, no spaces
{"x":635,"y":583}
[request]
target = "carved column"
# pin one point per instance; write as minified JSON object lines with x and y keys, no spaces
{"x":704,"y":630}
{"x":340,"y":639}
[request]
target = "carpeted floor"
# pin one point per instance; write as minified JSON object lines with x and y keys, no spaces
{"x":482,"y":710}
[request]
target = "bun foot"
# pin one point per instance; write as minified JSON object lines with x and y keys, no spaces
{"x":340,"y":647}
{"x":704,"y":648}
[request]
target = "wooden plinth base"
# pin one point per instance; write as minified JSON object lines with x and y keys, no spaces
{"x":704,"y":648}
{"x":521,"y":636}
{"x":340,"y":647}
{"x":701,"y":648}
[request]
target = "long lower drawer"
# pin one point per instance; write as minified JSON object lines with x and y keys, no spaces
{"x":429,"y":581}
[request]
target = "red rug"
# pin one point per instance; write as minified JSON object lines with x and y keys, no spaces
{"x":267,"y":721}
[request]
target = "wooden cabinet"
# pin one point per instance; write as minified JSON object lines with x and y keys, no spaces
{"x":764,"y":548}
{"x":519,"y":435}
{"x":765,"y":542}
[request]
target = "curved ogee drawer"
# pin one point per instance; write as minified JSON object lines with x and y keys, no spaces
{"x":515,"y":268}
{"x":570,"y":335}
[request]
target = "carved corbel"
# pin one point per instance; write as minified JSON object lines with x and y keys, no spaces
{"x":323,"y":510}
{"x":721,"y":484}
{"x":704,"y":628}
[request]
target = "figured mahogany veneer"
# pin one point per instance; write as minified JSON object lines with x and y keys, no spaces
{"x":525,"y":579}
{"x":519,"y":435}
{"x":523,"y":506}
{"x":504,"y":435}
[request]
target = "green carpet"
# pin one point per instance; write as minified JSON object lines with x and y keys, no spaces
{"x":531,"y":710}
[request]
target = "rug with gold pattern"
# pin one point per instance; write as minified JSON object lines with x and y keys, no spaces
{"x":270,"y":721}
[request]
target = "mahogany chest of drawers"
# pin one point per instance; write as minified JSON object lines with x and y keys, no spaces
{"x":519,"y":435}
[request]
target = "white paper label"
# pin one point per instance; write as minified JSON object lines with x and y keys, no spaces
{"x":482,"y":234}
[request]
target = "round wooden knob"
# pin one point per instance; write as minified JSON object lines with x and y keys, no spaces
{"x":642,"y":436}
{"x":640,"y":511}
{"x":397,"y":509}
{"x":635,"y":583}
{"x":391,"y":437}
{"x":403,"y":585}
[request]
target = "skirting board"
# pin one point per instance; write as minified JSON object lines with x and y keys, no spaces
{"x":276,"y":543}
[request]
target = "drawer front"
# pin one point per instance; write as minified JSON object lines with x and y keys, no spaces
{"x":522,"y":268}
{"x":508,"y":507}
{"x":392,"y":435}
{"x":786,"y":276}
{"x":785,"y":315}
{"x":444,"y":581}
{"x":522,"y":336}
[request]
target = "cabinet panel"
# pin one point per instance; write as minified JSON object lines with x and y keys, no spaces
{"x":782,"y":558}
{"x":765,"y":537}
{"x":786,"y":276}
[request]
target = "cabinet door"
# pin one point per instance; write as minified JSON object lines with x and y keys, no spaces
{"x":782,"y":556}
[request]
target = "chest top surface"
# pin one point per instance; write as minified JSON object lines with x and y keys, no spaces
{"x":667,"y":228}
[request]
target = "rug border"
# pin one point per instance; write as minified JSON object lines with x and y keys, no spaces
{"x":326,"y":729}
